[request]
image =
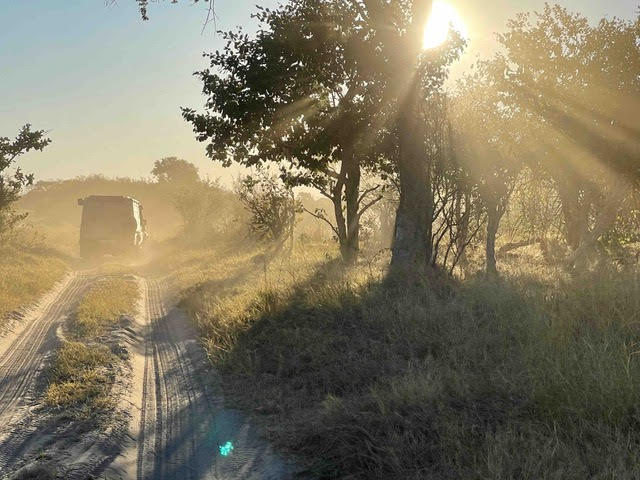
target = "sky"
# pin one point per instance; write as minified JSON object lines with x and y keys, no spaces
{"x":108,"y":86}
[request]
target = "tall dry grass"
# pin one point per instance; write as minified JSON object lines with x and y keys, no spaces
{"x":26,"y":272}
{"x":534,"y":376}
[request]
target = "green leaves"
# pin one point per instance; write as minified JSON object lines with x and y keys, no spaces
{"x":25,"y":141}
{"x":580,"y":82}
{"x":11,"y":184}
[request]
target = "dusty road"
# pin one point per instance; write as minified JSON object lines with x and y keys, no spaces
{"x":24,"y":354}
{"x":177,"y":426}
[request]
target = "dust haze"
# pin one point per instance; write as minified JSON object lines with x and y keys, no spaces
{"x":414,"y":276}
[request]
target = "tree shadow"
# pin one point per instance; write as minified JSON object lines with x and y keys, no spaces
{"x":195,"y":436}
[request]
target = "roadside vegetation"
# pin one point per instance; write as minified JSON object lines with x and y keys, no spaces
{"x":28,"y":267}
{"x":535,"y":375}
{"x":85,"y":367}
{"x":102,"y":307}
{"x":27,"y":271}
{"x":81,"y":377}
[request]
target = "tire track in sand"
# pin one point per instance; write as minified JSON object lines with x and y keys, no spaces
{"x":183,"y":422}
{"x":23,"y":355}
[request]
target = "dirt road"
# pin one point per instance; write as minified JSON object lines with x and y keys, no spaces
{"x":178,"y":427}
{"x":24,"y":352}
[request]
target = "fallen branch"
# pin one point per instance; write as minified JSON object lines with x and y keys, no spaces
{"x":515,"y":245}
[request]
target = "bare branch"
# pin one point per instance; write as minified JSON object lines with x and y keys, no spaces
{"x":369,"y":205}
{"x":323,"y":218}
{"x":211,"y":16}
{"x":367,"y":192}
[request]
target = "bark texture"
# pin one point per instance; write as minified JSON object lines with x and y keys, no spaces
{"x":410,"y":252}
{"x":493,"y":222}
{"x":410,"y":246}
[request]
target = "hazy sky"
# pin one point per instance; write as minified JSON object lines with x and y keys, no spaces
{"x":108,"y":86}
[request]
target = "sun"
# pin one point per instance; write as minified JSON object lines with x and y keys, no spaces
{"x":443,"y":16}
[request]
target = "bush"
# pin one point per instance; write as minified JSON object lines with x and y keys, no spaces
{"x":271,"y":205}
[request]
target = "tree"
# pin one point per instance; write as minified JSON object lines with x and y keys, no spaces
{"x":296,"y":96}
{"x":409,"y":74}
{"x":175,"y":171}
{"x":455,"y":213}
{"x":271,"y":205}
{"x":410,"y":251}
{"x":206,"y":208}
{"x":491,"y":145}
{"x":315,"y":92}
{"x":12,"y":184}
{"x":581,"y":83}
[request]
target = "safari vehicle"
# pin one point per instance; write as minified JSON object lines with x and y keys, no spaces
{"x":111,"y":225}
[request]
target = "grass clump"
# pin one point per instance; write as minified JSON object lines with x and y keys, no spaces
{"x":103,"y":306}
{"x":84,"y":370}
{"x":524,"y":377}
{"x":81,"y":377}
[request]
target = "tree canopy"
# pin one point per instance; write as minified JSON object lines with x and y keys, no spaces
{"x":341,"y":94}
{"x":175,"y":171}
{"x":314,"y":93}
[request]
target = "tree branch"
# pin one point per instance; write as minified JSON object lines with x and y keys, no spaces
{"x":369,"y":205}
{"x":324,"y":219}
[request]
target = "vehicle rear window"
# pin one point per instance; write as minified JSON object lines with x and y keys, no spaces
{"x":108,"y":216}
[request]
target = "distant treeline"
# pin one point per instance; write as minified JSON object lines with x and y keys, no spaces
{"x":192,"y":209}
{"x":52,"y":204}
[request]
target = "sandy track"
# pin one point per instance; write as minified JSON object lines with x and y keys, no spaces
{"x":24,"y":353}
{"x":178,"y":423}
{"x":183,"y":423}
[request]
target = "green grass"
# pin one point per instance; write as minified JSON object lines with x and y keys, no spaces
{"x":535,"y":376}
{"x":84,"y":370}
{"x":26,"y":273}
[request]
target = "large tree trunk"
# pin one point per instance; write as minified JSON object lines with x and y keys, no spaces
{"x":387,"y":222}
{"x":336,"y":199}
{"x":410,"y":252}
{"x":410,"y":246}
{"x":352,"y":192}
{"x":493,"y":222}
{"x":347,"y":227}
{"x":574,"y":210}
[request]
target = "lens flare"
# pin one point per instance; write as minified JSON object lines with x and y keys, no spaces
{"x":226,"y":449}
